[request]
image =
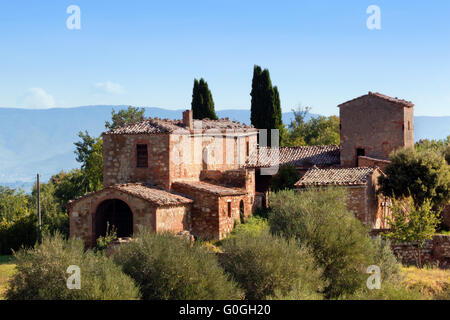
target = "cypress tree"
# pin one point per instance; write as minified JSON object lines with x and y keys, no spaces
{"x":265,"y":106}
{"x":202,"y":101}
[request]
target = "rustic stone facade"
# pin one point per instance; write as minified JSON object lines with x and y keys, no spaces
{"x":374,"y":125}
{"x":154,"y":216}
{"x":147,"y":158}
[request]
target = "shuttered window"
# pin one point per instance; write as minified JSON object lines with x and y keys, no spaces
{"x":142,"y":156}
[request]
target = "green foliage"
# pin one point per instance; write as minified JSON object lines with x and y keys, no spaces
{"x":125,"y":117}
{"x":13,"y":203}
{"x":103,"y":242}
{"x":41,"y":274}
{"x":285,"y":178}
{"x":388,"y":291}
{"x":89,"y":152}
{"x":266,"y":110}
{"x":320,"y":220}
{"x":318,"y":130}
{"x":202,"y":101}
{"x":412,"y":223}
{"x":18,"y":232}
{"x":267,"y":266}
{"x":167,"y":268}
{"x":421,"y":175}
{"x":386,"y":260}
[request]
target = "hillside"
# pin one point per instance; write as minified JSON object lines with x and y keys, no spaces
{"x":41,"y":141}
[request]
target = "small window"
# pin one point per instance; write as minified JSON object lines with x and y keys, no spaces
{"x":409,"y":125}
{"x":229,"y":209}
{"x":360,"y":152}
{"x":141,"y":156}
{"x":248,"y":149}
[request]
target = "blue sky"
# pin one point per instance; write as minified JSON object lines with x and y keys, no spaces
{"x":147,"y":53}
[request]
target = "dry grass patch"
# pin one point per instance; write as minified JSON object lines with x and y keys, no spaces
{"x":7,"y":269}
{"x":433,"y":283}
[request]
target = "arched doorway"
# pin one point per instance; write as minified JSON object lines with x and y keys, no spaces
{"x":115,"y":213}
{"x":242,"y":211}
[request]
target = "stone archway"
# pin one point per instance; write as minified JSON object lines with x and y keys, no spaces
{"x":114,"y":212}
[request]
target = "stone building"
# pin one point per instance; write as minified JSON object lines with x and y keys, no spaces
{"x":361,"y":185}
{"x":170,"y":175}
{"x":371,"y":127}
{"x":374,"y":125}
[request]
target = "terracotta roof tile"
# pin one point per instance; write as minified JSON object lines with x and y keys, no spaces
{"x":211,"y":188}
{"x":395,"y":100}
{"x":335,"y":176}
{"x":148,"y":193}
{"x":298,"y":156}
{"x":156,"y":126}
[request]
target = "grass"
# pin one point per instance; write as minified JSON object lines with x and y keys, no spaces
{"x":433,"y":283}
{"x":7,"y":269}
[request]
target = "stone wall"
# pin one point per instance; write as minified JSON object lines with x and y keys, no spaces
{"x":435,"y":251}
{"x":119,"y":159}
{"x":173,"y":219}
{"x":375,"y":125}
{"x":192,"y":154}
{"x":372,"y":162}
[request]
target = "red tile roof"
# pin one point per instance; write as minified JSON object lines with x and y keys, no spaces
{"x":395,"y":100}
{"x":211,"y":188}
{"x":156,"y":196}
{"x":156,"y":125}
{"x":335,"y":176}
{"x":300,"y":156}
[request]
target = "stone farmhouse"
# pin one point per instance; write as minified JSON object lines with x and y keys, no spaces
{"x":371,"y":127}
{"x":201,"y":176}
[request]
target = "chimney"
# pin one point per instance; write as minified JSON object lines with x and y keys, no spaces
{"x":188,"y":120}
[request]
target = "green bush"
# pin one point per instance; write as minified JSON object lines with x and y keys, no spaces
{"x":388,"y":291}
{"x":167,"y":268}
{"x":42,"y":274}
{"x":285,"y":178}
{"x":320,"y":220}
{"x":386,"y":260}
{"x":270,"y":267}
{"x":22,"y":231}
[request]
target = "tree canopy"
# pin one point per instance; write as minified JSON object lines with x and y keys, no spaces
{"x":124,"y":117}
{"x":265,"y":105}
{"x":202,"y":101}
{"x":419,"y":174}
{"x":319,"y":130}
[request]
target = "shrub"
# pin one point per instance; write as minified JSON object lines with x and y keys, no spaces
{"x":286,"y":177}
{"x":266,"y":266}
{"x":41,"y":274}
{"x":167,"y":268}
{"x":22,"y":231}
{"x":386,"y":260}
{"x":319,"y":220}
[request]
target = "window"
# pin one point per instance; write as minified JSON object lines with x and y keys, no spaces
{"x":360,"y":152}
{"x":409,"y":126}
{"x":248,"y":148}
{"x":141,"y":156}
{"x":229,"y":208}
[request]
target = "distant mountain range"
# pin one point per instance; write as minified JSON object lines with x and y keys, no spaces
{"x":41,"y":141}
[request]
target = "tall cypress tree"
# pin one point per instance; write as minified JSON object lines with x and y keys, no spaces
{"x":266,"y":106}
{"x":202,"y":101}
